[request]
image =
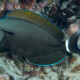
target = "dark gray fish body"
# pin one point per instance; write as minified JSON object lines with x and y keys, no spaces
{"x":32,"y":41}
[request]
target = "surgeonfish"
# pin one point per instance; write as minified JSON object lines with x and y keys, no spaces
{"x":30,"y":35}
{"x":73,"y":43}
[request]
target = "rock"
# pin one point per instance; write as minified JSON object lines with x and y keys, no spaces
{"x":2,"y":71}
{"x":34,"y":78}
{"x":76,"y":68}
{"x":4,"y":77}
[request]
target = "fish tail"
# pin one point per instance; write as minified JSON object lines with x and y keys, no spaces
{"x":73,"y":45}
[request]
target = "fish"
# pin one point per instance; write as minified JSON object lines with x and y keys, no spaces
{"x":30,"y":35}
{"x":74,"y":43}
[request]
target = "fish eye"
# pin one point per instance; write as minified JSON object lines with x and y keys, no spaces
{"x":78,"y":42}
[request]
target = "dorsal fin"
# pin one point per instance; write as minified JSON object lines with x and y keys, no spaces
{"x":38,"y":20}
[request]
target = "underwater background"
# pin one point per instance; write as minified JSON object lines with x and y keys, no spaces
{"x":66,"y":15}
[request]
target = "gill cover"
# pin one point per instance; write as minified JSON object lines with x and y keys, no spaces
{"x":34,"y":37}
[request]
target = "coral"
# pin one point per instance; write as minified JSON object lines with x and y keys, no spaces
{"x":73,"y":60}
{"x":73,"y":28}
{"x":4,"y":77}
{"x":76,"y":68}
{"x":62,"y":71}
